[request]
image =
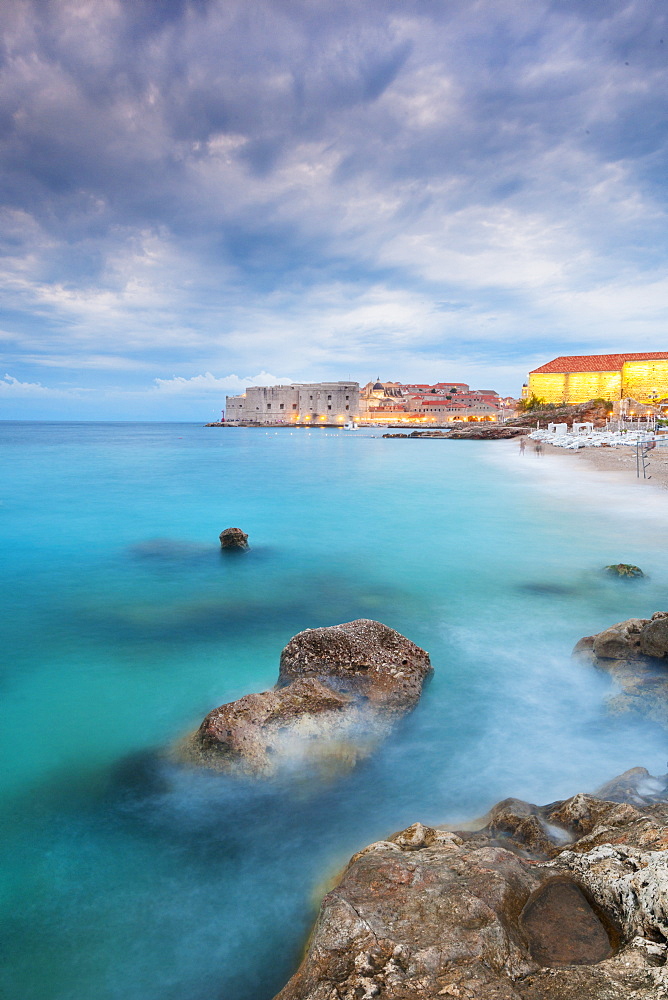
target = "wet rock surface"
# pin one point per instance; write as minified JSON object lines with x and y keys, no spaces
{"x":562,"y":927}
{"x":561,"y":902}
{"x":338,"y":691}
{"x":364,"y":658}
{"x":635,"y":653}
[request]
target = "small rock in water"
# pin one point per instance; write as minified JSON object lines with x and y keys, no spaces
{"x":624,"y":571}
{"x":234,"y":538}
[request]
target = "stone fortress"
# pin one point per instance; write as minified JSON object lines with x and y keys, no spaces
{"x":301,"y":403}
{"x":335,"y":403}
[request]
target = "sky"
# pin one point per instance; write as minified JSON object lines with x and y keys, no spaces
{"x":199,"y":195}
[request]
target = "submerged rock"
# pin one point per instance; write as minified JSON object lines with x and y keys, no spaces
{"x":233,"y":538}
{"x":635,"y":653}
{"x":338,"y":690}
{"x":624,"y":571}
{"x":430,"y":913}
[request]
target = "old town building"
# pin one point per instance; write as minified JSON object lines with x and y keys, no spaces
{"x":300,"y":403}
{"x":579,"y":378}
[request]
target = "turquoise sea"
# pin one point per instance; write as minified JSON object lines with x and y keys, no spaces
{"x":129,"y":879}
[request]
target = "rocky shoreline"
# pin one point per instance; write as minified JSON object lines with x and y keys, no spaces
{"x":635,"y":653}
{"x":477,"y":432}
{"x":567,"y":901}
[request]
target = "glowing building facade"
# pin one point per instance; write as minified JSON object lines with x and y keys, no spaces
{"x":301,"y":403}
{"x":577,"y":379}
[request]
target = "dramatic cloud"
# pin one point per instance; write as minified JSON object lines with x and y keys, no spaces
{"x":327,"y":188}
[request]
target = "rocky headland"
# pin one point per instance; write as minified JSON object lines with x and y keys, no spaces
{"x":339,"y":690}
{"x":470,"y":432}
{"x":567,"y":901}
{"x":594,"y":411}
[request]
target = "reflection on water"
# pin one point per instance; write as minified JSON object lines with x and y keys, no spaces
{"x":131,"y":878}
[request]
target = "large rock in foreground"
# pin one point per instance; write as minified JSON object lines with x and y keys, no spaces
{"x":338,"y":691}
{"x":635,"y":653}
{"x":363,"y":658}
{"x":562,"y":902}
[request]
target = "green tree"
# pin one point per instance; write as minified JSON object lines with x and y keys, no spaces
{"x":533,"y":402}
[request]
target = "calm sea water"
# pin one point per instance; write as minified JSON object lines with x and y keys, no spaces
{"x":126,"y":879}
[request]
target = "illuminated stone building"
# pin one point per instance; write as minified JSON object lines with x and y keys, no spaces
{"x":301,"y":403}
{"x":442,"y":402}
{"x":577,"y":379}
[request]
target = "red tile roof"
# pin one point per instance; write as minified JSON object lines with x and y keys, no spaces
{"x":595,"y":362}
{"x":450,"y":405}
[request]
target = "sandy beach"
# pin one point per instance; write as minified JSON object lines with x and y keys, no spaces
{"x":621,"y":459}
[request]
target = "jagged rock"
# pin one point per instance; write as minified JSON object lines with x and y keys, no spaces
{"x":522,"y":823}
{"x":364,"y":658}
{"x":473,"y":432}
{"x":252,"y":730}
{"x":400,"y":919}
{"x":339,"y":689}
{"x":635,"y":654}
{"x":621,"y":641}
{"x":430,"y":913}
{"x":636,"y":786}
{"x":233,"y":538}
{"x":593,"y":411}
{"x":482,"y":433}
{"x":654,"y":636}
